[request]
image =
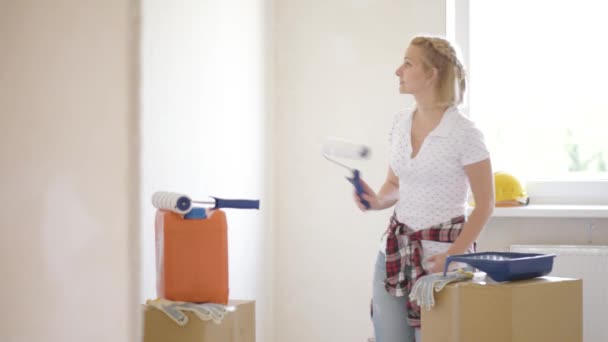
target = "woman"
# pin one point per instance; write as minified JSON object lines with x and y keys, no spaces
{"x":436,"y":155}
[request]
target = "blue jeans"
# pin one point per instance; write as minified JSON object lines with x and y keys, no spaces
{"x":389,"y":312}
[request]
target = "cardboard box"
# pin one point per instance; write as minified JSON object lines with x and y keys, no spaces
{"x":237,"y":326}
{"x":546,"y":309}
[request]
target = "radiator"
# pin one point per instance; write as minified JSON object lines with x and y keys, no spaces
{"x":589,"y":263}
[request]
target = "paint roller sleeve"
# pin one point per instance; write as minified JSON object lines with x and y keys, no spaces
{"x":344,"y":149}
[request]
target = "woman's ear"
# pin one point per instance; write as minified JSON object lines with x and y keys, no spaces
{"x":432,"y":74}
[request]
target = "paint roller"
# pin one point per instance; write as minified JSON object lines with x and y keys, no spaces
{"x":339,"y":148}
{"x":182,"y":204}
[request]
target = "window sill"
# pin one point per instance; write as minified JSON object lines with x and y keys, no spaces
{"x":554,"y":210}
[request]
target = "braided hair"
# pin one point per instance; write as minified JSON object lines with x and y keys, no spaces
{"x":440,"y":54}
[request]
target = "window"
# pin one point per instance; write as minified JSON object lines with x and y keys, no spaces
{"x":538,"y":81}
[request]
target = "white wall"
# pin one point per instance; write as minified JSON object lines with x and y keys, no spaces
{"x":68,"y":170}
{"x":205,"y":122}
{"x":335,"y":76}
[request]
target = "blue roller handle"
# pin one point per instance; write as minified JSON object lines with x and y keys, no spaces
{"x":356,"y":181}
{"x":238,"y":204}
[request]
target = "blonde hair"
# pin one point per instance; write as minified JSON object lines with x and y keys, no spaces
{"x":440,"y":54}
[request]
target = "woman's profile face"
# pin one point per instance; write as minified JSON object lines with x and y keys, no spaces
{"x":413,"y":76}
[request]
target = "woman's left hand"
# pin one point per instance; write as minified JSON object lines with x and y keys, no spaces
{"x":437,"y":262}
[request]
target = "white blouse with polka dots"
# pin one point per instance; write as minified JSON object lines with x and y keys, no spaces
{"x":433,"y":186}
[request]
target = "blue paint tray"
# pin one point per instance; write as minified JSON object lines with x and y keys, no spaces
{"x":506,"y":266}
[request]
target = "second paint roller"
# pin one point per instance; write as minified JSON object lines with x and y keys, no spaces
{"x":338,"y":148}
{"x":182,"y":204}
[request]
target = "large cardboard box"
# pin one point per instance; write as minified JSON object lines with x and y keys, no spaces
{"x":237,"y":326}
{"x":546,"y":309}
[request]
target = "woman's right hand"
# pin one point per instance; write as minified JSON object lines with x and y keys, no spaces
{"x":369,"y":195}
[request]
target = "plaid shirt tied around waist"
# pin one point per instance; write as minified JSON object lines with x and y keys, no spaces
{"x":404,"y":257}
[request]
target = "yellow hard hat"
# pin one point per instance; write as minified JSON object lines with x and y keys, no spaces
{"x":508,"y":190}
